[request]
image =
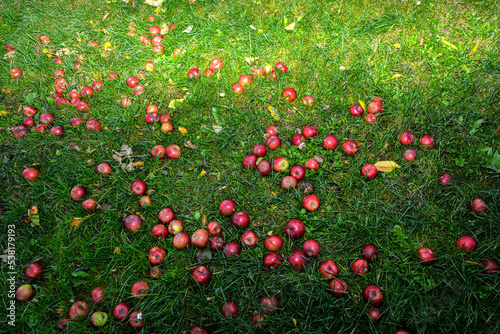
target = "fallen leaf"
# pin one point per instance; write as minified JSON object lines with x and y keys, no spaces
{"x":397,"y":75}
{"x":318,"y":158}
{"x":138,"y":164}
{"x":250,"y":60}
{"x":290,"y":27}
{"x":342,"y":68}
{"x":203,"y":172}
{"x":105,"y":16}
{"x":182,"y":130}
{"x":321,"y":46}
{"x":174,"y":103}
{"x":302,"y":146}
{"x":294,"y":322}
{"x":473,"y":50}
{"x":386,"y":166}
{"x":253,"y":27}
{"x":105,"y":207}
{"x":188,"y":29}
{"x":155,"y":3}
{"x":117,"y":250}
{"x":33,"y":214}
{"x":422,"y":39}
{"x":274,"y":113}
{"x":217,"y":128}
{"x":204,"y":221}
{"x":76,"y":222}
{"x":164,"y":29}
{"x":445,"y":42}
{"x":190,"y":145}
{"x":74,"y":146}
{"x":125,"y":150}
{"x":117,"y":157}
{"x":397,"y":45}
{"x":362,"y":104}
{"x":64,"y":51}
{"x":221,"y":188}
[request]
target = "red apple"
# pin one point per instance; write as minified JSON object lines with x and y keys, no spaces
{"x":272,"y":261}
{"x":298,"y":139}
{"x":75,"y":121}
{"x":288,"y":182}
{"x":273,"y":243}
{"x":136,"y":319}
{"x":40,"y":128}
{"x":200,"y":238}
{"x":173,"y":151}
{"x":410,"y":155}
{"x":97,"y":295}
{"x":166,"y":215}
{"x":290,"y":94}
{"x":178,"y":52}
{"x":295,"y":228}
{"x":238,"y":88}
{"x":175,"y":227}
{"x":402,"y":331}
{"x":356,"y":110}
{"x":78,"y":311}
{"x":406,"y":138}
{"x":62,"y":324}
{"x":373,"y":294}
{"x":154,"y":30}
{"x":97,"y":85}
{"x":214,"y":228}
{"x":375,"y":314}
{"x":93,"y":125}
{"x":490,"y":267}
{"x":256,"y":72}
{"x":209,"y":72}
{"x":181,"y":240}
{"x":330,"y":142}
{"x":132,"y":81}
{"x":30,"y":174}
{"x":280,"y":164}
{"x":151,"y":118}
{"x":201,"y":275}
{"x":264,"y":167}
{"x":159,"y":232}
{"x":197,"y":330}
{"x":259,"y":150}
{"x":310,"y":131}
{"x":444,"y":179}
{"x":139,"y":187}
{"x":90,"y":204}
{"x":297,"y":260}
{"x":369,"y":171}
{"x":103,"y":168}
{"x":216,"y":64}
{"x":467,"y":243}
{"x":298,"y":172}
{"x":132,"y":222}
{"x":158,"y":151}
{"x":311,"y":248}
{"x":87,"y":91}
{"x":427,"y":142}
{"x":370,"y":118}
{"x":308,"y":100}
{"x":269,"y":305}
{"x":230,"y":309}
{"x":249,"y":162}
{"x":16,"y":73}
{"x":217,"y":243}
{"x":82,"y":106}
{"x":165,"y":118}
{"x":273,"y":142}
{"x":34,"y":270}
{"x":145,"y":201}
{"x":227,"y":207}
{"x":369,"y":252}
{"x":24,"y":293}
{"x":232,"y":249}
{"x":157,"y":40}
{"x":337,"y":287}
{"x":328,"y":269}
{"x":126,"y":102}
{"x":360,"y":267}
{"x":30,"y":111}
{"x":249,"y":239}
{"x":240,"y":219}
{"x":20,"y":131}
{"x":140,"y":289}
{"x":139,"y":90}
{"x":349,"y":147}
{"x":272,"y":130}
{"x":193,"y":73}
{"x":157,"y":255}
{"x":113,"y":76}
{"x":426,"y":256}
{"x":78,"y":193}
{"x":245,"y":79}
{"x":311,"y":203}
{"x":375,"y":107}
{"x":57,"y":131}
{"x":28,"y":122}
{"x":478,"y":205}
{"x":47,"y":118}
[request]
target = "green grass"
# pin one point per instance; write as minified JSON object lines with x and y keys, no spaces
{"x":428,"y":88}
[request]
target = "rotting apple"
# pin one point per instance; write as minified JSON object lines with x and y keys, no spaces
{"x":145,"y":201}
{"x":156,"y":272}
{"x":99,"y":319}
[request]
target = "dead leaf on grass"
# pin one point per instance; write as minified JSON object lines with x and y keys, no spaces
{"x":221,"y":188}
{"x":188,"y":29}
{"x":386,"y":166}
{"x":190,"y":145}
{"x":182,"y":130}
{"x":318,"y":158}
{"x":125,"y":150}
{"x":154,"y":3}
{"x":65,"y":51}
{"x":217,"y":128}
{"x":74,"y":146}
{"x":105,"y":207}
{"x":164,"y":29}
{"x":33,"y":215}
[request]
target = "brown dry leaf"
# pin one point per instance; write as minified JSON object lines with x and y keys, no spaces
{"x":113,"y":272}
{"x":138,"y":164}
{"x":318,"y":158}
{"x":105,"y":207}
{"x":217,"y":128}
{"x":190,"y":145}
{"x":321,"y":46}
{"x":74,"y":146}
{"x":302,"y":146}
{"x":386,"y":166}
{"x":164,"y":29}
{"x":64,"y":51}
{"x":221,"y":188}
{"x":128,"y":167}
{"x":359,"y":143}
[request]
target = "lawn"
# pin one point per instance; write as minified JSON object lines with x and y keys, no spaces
{"x":434,"y":64}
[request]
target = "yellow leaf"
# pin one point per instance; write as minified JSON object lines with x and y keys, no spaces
{"x":76,"y":222}
{"x":294,"y":322}
{"x":386,"y":166}
{"x":203,"y":172}
{"x":473,"y":50}
{"x":105,"y":16}
{"x":138,"y":164}
{"x":362,"y":104}
{"x":3,"y":111}
{"x":290,"y":27}
{"x":397,"y":75}
{"x":445,"y":42}
{"x":107,"y":46}
{"x":397,"y":45}
{"x":182,"y":130}
{"x":218,"y":74}
{"x":117,"y":250}
{"x":274,"y":113}
{"x":172,"y":104}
